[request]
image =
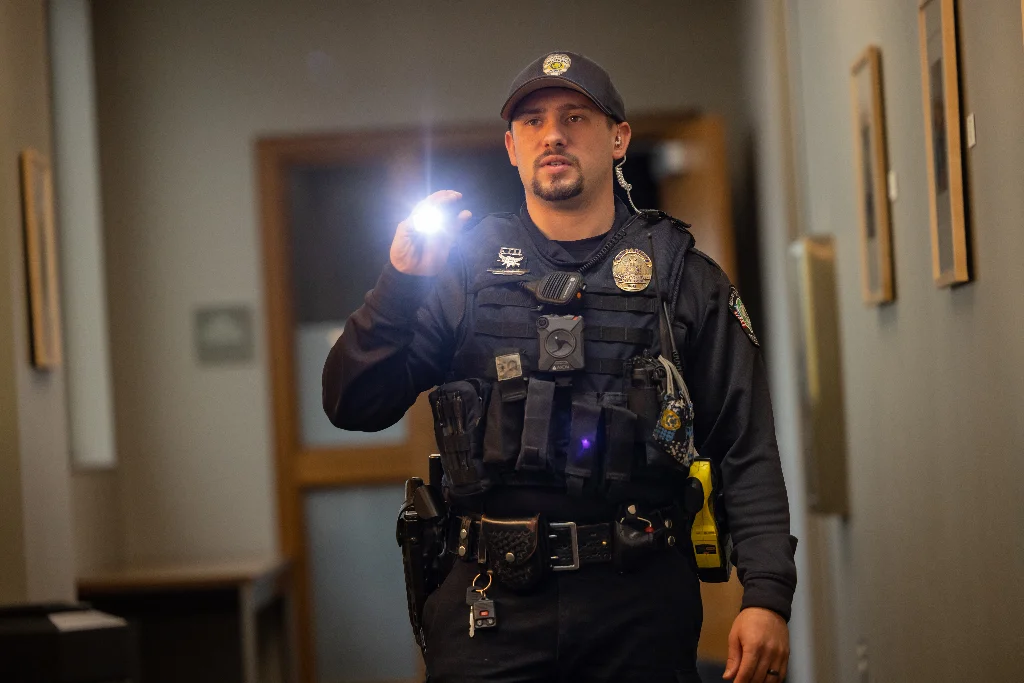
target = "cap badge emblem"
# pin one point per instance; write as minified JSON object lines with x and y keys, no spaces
{"x":632,"y":269}
{"x":510,"y":261}
{"x":557,"y":64}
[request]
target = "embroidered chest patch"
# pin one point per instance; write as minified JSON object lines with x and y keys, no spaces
{"x":510,"y":261}
{"x":740,"y":311}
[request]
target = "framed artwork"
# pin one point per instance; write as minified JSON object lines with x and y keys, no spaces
{"x":871,"y":166}
{"x":41,"y":259}
{"x":941,"y":90}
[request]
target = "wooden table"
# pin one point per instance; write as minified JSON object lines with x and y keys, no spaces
{"x":216,"y":621}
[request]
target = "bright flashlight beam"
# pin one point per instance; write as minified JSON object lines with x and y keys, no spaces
{"x":427,"y":219}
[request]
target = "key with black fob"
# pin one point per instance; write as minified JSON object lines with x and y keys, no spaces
{"x":484,"y":615}
{"x":481,"y":611}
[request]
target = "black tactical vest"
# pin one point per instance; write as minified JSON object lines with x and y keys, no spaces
{"x":577,"y":430}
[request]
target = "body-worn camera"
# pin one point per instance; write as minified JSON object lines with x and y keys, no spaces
{"x":561,"y":343}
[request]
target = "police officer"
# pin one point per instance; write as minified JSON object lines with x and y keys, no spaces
{"x":563,"y":513}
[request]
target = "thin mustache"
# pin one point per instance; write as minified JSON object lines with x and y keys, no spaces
{"x":572,"y":159}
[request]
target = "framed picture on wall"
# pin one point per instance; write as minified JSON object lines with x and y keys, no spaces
{"x":812,"y":275}
{"x":871,"y":164}
{"x":941,"y":89}
{"x":41,"y":259}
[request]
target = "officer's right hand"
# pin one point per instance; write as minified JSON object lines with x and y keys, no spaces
{"x":414,"y":253}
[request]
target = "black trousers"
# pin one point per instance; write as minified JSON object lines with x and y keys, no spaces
{"x":593,"y":624}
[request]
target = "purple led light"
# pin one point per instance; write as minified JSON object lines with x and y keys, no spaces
{"x":585,"y":443}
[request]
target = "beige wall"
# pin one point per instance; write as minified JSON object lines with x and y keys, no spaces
{"x":96,"y":515}
{"x":36,"y":557}
{"x":184,"y":90}
{"x":768,"y":85}
{"x":926,"y":572}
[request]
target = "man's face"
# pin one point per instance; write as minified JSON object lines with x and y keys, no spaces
{"x":563,"y":145}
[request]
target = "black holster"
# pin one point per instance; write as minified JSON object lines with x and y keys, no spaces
{"x":422,"y":522}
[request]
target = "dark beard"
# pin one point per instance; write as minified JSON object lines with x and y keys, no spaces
{"x":557,"y":192}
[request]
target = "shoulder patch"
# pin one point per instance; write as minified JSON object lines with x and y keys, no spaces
{"x":740,"y":311}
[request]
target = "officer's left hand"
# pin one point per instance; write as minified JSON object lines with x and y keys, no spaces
{"x":759,"y":641}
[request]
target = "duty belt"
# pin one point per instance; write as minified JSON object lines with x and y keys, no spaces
{"x":570,"y":545}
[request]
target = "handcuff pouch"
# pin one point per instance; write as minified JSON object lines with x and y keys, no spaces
{"x":515,"y":551}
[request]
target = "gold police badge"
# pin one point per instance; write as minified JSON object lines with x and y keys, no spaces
{"x":557,"y":64}
{"x":632,"y":269}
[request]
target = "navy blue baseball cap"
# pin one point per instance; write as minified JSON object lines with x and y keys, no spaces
{"x":566,"y":70}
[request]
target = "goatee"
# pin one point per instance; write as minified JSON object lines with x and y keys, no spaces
{"x":558,"y":191}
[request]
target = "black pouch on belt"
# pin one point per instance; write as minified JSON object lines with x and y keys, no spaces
{"x":634,"y":543}
{"x":515,"y":551}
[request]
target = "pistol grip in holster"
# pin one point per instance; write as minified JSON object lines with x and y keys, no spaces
{"x":420,"y":534}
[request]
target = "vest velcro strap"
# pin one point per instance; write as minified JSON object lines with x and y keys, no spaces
{"x":540,"y":399}
{"x":627,"y":335}
{"x":603,"y":366}
{"x":584,"y":441}
{"x":620,"y":430}
{"x":486,"y":366}
{"x":505,"y":296}
{"x":521,"y":298}
{"x":620,"y":303}
{"x":600,"y":366}
{"x":493,"y":328}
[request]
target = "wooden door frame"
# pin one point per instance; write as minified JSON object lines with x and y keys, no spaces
{"x":298,"y":467}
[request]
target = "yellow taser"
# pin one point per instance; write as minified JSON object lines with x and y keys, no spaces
{"x":712,"y":545}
